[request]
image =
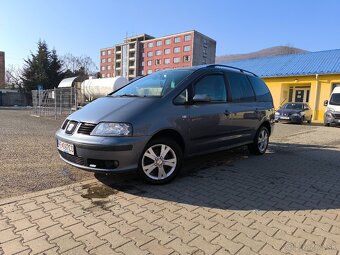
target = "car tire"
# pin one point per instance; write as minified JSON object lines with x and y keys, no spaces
{"x":160,"y":161}
{"x":261,"y":141}
{"x":310,"y":120}
{"x":327,"y":124}
{"x":302,"y":120}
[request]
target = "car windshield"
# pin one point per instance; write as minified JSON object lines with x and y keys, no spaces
{"x":293,"y":106}
{"x":335,"y":99}
{"x":154,"y":85}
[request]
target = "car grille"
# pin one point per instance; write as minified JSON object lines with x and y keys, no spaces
{"x":337,"y":115}
{"x":86,"y":128}
{"x":74,"y":159}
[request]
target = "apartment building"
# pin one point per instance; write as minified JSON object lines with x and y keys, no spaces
{"x":179,"y":50}
{"x":144,"y":54}
{"x":2,"y":69}
{"x":123,"y":59}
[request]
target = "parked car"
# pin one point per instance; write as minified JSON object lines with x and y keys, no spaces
{"x":294,"y":112}
{"x":332,"y":113}
{"x":152,"y":123}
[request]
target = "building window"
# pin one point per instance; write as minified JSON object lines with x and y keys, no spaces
{"x":149,"y":71}
{"x":142,"y":63}
{"x":158,"y":43}
{"x":187,"y":38}
{"x":103,"y":75}
{"x":150,"y":54}
{"x":108,"y":75}
{"x":150,"y":44}
{"x":103,"y":68}
{"x":186,"y":59}
{"x":158,"y":62}
{"x":142,"y":72}
{"x":143,"y":55}
{"x":108,"y":67}
{"x":167,"y":41}
{"x":205,"y":43}
{"x":187,"y":48}
{"x":176,"y":60}
{"x":158,"y":52}
{"x":177,"y":39}
{"x":103,"y":53}
{"x":167,"y":51}
{"x":109,"y":52}
{"x":177,"y":50}
{"x":149,"y":63}
{"x":167,"y":61}
{"x":103,"y":60}
{"x":109,"y":60}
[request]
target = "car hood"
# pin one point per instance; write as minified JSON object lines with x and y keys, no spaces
{"x":289,"y":111}
{"x":115,"y":109}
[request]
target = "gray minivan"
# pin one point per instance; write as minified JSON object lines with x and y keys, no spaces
{"x":152,"y":123}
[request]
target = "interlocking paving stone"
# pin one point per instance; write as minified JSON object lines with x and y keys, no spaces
{"x":254,"y":205}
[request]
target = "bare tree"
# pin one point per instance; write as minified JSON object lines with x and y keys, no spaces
{"x":75,"y":64}
{"x":13,"y":77}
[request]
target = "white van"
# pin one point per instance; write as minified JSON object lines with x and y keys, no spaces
{"x":332,"y":113}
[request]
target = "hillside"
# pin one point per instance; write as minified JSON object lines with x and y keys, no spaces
{"x":272,"y":51}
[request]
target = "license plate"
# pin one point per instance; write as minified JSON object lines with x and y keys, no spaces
{"x":66,"y":147}
{"x":284,"y":118}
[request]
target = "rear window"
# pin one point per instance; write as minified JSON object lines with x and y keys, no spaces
{"x":241,"y":89}
{"x":261,"y":90}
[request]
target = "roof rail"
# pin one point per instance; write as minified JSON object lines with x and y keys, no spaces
{"x":232,"y":67}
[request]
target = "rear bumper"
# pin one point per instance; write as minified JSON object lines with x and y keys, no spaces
{"x":103,"y":154}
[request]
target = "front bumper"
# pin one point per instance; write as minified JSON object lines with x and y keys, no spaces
{"x":103,"y":154}
{"x":288,"y":119}
{"x":332,"y":118}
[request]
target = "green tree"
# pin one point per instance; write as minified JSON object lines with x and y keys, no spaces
{"x":42,"y":68}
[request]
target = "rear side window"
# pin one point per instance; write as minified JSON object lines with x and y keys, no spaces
{"x":241,"y":89}
{"x":261,"y":90}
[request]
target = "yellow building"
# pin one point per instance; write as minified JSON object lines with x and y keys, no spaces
{"x":307,"y":77}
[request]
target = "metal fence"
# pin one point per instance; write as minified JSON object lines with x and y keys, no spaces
{"x":54,"y":102}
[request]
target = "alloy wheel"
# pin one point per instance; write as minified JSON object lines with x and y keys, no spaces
{"x":159,"y":161}
{"x":262,"y":141}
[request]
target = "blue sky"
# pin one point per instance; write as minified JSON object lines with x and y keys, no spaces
{"x":83,"y":27}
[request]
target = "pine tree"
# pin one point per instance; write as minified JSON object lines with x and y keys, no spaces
{"x":42,"y":68}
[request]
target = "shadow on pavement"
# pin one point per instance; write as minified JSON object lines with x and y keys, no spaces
{"x":288,"y":177}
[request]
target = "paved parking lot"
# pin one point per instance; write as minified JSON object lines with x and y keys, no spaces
{"x":29,"y":161}
{"x":285,"y":202}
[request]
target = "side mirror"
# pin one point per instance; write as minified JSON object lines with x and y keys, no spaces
{"x":325,"y":103}
{"x":201,"y":98}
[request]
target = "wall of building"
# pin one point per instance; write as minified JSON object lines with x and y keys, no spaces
{"x":107,"y":62}
{"x":171,"y":56}
{"x":279,"y":87}
{"x":2,"y":69}
{"x":204,"y":50}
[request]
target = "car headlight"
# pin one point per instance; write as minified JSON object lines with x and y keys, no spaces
{"x":112,"y":129}
{"x":329,"y":114}
{"x":277,"y":113}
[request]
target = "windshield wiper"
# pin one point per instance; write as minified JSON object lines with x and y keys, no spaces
{"x":129,"y":95}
